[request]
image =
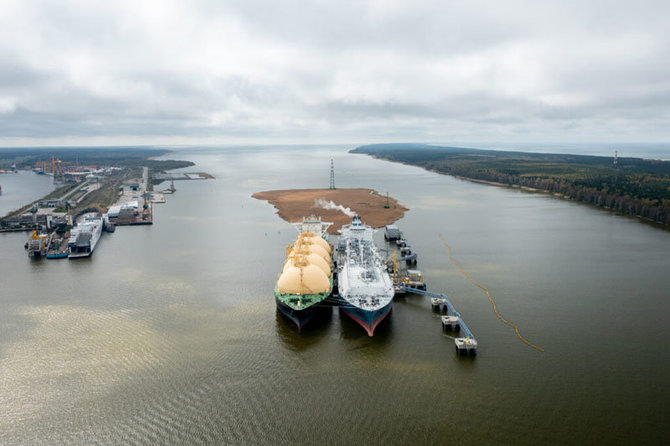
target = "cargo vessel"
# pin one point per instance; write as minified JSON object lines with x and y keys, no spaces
{"x":306,"y":280}
{"x":37,"y":245}
{"x":84,"y":237}
{"x":365,"y":288}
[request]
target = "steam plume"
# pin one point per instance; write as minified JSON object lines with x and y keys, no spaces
{"x":331,"y":205}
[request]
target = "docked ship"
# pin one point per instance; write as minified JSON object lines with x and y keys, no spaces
{"x":365,"y":288}
{"x":37,"y":245}
{"x":84,"y":237}
{"x":314,"y":225}
{"x":58,"y":248}
{"x":306,"y":280}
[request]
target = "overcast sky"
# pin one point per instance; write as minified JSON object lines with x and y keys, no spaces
{"x":138,"y":71}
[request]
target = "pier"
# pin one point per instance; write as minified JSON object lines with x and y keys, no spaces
{"x":466,"y":345}
{"x":411,"y":281}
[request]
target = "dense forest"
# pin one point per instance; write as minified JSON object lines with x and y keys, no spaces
{"x":632,"y":186}
{"x":99,"y":156}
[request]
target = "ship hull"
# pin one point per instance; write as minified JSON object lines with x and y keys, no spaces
{"x":61,"y":255}
{"x":299,"y":317}
{"x":368,"y":319}
{"x":79,"y":255}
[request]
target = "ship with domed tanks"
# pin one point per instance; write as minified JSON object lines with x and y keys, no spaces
{"x":306,"y":280}
{"x":365,"y":288}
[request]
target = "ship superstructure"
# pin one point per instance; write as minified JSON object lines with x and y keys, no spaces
{"x":306,"y":279}
{"x":37,"y":245}
{"x":365,"y":288}
{"x":314,"y":225}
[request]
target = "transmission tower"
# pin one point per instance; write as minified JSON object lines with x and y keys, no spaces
{"x":332,"y":174}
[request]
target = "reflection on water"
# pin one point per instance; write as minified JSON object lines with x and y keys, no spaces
{"x":85,"y":351}
{"x":170,"y":333}
{"x":351,"y":330}
{"x":310,"y":335}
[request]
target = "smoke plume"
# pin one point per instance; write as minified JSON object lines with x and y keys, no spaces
{"x":320,"y":202}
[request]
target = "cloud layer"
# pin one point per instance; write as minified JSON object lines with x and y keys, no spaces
{"x":334,"y":71}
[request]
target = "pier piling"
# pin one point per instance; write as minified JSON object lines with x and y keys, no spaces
{"x":465,"y":345}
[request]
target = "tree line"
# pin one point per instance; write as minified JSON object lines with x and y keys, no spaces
{"x":633,"y":186}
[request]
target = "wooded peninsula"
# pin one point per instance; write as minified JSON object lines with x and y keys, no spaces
{"x":632,"y":186}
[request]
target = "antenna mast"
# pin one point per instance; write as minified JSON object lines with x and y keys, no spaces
{"x":332,"y":174}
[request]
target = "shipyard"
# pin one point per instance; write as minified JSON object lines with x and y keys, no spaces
{"x":90,"y":199}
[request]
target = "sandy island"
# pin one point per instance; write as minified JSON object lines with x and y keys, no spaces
{"x":294,"y":204}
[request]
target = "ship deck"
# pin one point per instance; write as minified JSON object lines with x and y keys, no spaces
{"x":306,"y":300}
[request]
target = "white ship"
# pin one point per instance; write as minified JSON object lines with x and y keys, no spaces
{"x":314,"y":225}
{"x":365,"y":288}
{"x":84,"y":237}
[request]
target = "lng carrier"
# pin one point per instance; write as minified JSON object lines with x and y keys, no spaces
{"x":365,"y":288}
{"x":306,"y":279}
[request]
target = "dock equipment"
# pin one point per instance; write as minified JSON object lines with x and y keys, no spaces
{"x":451,"y":323}
{"x":407,"y":255}
{"x":392,"y":233}
{"x":466,"y":345}
{"x":410,"y":278}
{"x":411,"y":258}
{"x":414,"y":279}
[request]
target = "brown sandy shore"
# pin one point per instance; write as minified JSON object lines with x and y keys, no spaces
{"x":293,"y":204}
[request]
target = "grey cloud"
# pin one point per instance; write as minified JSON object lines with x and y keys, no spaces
{"x":421,"y":70}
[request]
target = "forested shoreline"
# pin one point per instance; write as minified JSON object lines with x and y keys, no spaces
{"x":631,"y":186}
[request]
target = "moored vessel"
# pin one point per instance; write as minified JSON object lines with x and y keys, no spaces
{"x":37,"y":245}
{"x":84,"y":237}
{"x":365,"y":288}
{"x":306,"y":280}
{"x":314,"y":225}
{"x":58,"y":247}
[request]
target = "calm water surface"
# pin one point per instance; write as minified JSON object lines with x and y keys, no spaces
{"x":169,"y":333}
{"x":19,"y":189}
